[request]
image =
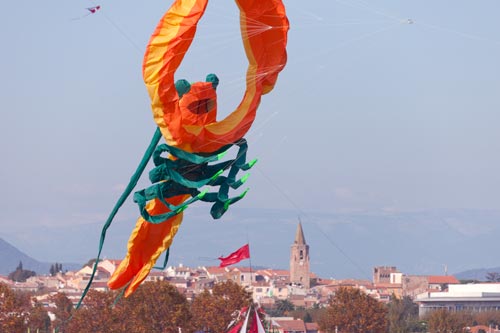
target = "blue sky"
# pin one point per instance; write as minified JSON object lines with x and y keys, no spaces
{"x":383,"y":106}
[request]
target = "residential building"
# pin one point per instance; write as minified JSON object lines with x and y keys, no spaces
{"x":461,"y":297}
{"x":382,"y":274}
{"x":179,"y":271}
{"x":414,"y":285}
{"x":243,"y":276}
{"x":291,"y":325}
{"x":217,"y":273}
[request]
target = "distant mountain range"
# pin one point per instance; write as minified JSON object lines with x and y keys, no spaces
{"x":476,"y":274}
{"x":10,"y":257}
{"x":342,"y":245}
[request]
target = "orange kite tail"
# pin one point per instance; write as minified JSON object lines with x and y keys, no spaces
{"x":147,"y":242}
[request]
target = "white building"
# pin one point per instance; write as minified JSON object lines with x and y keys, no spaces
{"x":460,"y":297}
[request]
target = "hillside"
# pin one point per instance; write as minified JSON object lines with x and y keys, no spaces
{"x":10,"y":257}
{"x":477,"y":274}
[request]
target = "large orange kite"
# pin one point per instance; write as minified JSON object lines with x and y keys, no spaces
{"x":186,"y":117}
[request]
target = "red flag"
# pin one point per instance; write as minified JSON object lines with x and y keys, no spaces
{"x":235,"y":257}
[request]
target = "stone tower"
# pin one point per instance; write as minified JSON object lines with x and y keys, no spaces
{"x":299,"y":259}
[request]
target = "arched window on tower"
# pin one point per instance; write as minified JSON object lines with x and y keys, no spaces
{"x":301,"y":254}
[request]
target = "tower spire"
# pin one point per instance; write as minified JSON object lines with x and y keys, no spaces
{"x":299,"y":235}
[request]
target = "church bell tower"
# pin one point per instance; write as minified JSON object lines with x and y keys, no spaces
{"x":299,"y":259}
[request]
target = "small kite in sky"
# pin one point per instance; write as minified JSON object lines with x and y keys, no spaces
{"x":94,"y":9}
{"x":90,"y":11}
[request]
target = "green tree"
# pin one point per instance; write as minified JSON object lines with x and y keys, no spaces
{"x":55,"y":268}
{"x":284,"y":307}
{"x":351,"y":310}
{"x":493,"y":277}
{"x":20,"y":274}
{"x":213,"y":311}
{"x":402,"y":315}
{"x":307,"y":318}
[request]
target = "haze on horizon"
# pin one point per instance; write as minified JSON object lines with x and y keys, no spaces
{"x":383,"y":107}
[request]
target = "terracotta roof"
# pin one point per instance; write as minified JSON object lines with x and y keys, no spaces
{"x":4,"y":279}
{"x":312,"y":326}
{"x":352,"y":282}
{"x":243,"y":269}
{"x":475,"y":329}
{"x":273,"y":272}
{"x":297,"y":297}
{"x":388,"y":285}
{"x":325,"y":281}
{"x":291,"y":325}
{"x":99,"y":284}
{"x":436,"y":279}
{"x":103,"y":270}
{"x":215,"y":270}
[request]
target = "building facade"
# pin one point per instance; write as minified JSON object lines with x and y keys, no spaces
{"x":462,"y":297}
{"x":382,"y":274}
{"x":299,"y":260}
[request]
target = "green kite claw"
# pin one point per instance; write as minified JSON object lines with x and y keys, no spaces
{"x":202,"y":194}
{"x":214,"y":177}
{"x":244,"y":178}
{"x":180,"y":210}
{"x":249,"y":164}
{"x":221,"y":155}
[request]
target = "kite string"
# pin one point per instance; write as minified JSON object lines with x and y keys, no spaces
{"x":131,"y":185}
{"x":310,"y":221}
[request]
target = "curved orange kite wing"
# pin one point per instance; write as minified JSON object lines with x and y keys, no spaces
{"x":264,"y":28}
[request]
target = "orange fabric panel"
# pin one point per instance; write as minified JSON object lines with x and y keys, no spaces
{"x":164,"y":53}
{"x":147,"y":242}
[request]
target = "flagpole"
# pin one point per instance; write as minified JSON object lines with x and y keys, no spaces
{"x":250,"y":264}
